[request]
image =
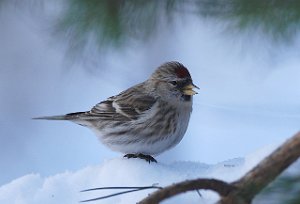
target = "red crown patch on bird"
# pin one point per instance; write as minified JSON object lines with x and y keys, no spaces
{"x":182,"y":72}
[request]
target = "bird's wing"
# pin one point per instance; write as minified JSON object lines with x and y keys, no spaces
{"x":126,"y":106}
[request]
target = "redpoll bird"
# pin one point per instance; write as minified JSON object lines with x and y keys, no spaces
{"x":146,"y":119}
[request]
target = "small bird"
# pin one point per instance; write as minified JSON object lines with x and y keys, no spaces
{"x":146,"y":119}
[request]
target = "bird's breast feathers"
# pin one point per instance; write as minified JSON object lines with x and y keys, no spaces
{"x":157,"y":129}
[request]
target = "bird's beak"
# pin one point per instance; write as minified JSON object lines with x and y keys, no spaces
{"x":188,"y":89}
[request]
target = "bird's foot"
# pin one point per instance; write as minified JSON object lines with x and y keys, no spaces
{"x":148,"y":158}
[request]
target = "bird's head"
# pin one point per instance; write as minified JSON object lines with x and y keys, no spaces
{"x":172,"y":81}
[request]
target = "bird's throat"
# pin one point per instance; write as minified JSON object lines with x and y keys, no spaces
{"x":186,"y":97}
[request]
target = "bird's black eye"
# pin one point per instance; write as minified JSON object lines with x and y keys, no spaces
{"x":173,"y":83}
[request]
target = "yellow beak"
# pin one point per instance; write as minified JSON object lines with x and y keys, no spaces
{"x":188,"y":89}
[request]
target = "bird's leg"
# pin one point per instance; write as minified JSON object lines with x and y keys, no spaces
{"x":148,"y":158}
{"x":129,"y":156}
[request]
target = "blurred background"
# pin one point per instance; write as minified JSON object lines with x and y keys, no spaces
{"x":65,"y":56}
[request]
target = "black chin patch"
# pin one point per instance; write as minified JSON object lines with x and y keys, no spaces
{"x":186,"y":97}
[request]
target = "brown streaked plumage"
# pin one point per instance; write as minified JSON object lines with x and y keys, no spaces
{"x":146,"y":119}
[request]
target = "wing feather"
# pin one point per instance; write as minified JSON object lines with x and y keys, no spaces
{"x":128,"y":105}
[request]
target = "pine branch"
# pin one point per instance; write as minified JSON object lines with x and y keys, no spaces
{"x":267,"y":170}
{"x":246,"y":188}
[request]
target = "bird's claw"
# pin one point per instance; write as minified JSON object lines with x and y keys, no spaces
{"x":147,"y":158}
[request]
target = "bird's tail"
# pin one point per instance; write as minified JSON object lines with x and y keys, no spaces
{"x":70,"y":116}
{"x":55,"y":117}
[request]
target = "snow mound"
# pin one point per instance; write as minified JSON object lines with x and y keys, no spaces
{"x":65,"y":187}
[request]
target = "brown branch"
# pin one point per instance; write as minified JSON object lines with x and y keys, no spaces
{"x":220,"y":187}
{"x":268,"y":169}
{"x":243,"y":190}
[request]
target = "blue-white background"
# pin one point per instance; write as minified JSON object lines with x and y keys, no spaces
{"x":249,"y":96}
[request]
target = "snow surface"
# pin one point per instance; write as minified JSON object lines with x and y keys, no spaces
{"x":66,"y":186}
